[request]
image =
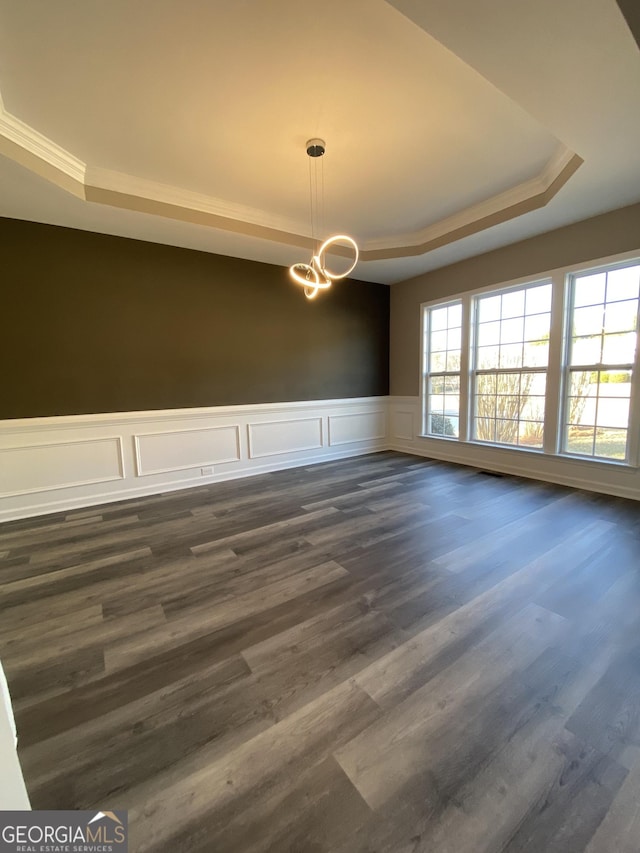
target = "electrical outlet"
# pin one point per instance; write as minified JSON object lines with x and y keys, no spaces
{"x":207,"y":471}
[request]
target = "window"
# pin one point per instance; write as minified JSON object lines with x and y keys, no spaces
{"x":599,"y":373}
{"x":511,"y":358}
{"x":441,"y":374}
{"x":551,"y":366}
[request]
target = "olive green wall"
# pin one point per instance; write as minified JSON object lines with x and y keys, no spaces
{"x":93,"y":323}
{"x":631,"y":11}
{"x":608,"y":234}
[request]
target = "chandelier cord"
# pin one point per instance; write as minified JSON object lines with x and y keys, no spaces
{"x":311,"y":207}
{"x":322,"y":222}
{"x":316,"y":200}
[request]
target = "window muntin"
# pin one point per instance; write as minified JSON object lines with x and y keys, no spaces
{"x":511,"y":357}
{"x":520,"y":367}
{"x":443,"y":347}
{"x":603,"y":331}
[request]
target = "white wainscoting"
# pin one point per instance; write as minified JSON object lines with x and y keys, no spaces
{"x":62,"y":463}
{"x":182,"y":449}
{"x":404,"y":435}
{"x":34,"y":468}
{"x":277,"y":437}
{"x":349,"y":428}
{"x":403,"y":424}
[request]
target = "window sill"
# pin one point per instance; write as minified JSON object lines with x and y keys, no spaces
{"x":590,"y":460}
{"x":532,"y":451}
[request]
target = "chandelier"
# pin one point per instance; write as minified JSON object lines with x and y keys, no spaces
{"x":315,"y":276}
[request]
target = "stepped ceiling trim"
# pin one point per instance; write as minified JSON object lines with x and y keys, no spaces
{"x":42,"y":156}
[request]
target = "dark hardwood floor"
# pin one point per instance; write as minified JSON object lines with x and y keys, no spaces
{"x":377,"y":654}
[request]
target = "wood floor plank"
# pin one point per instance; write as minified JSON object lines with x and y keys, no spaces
{"x":319,"y":654}
{"x":574,"y":806}
{"x":77,"y":637}
{"x":205,"y":618}
{"x":379,"y":761}
{"x":62,"y":580}
{"x":609,"y":717}
{"x":620,"y":827}
{"x":303,"y":521}
{"x":381,"y":654}
{"x":97,"y":759}
{"x":474,"y":792}
{"x":395,"y":676}
{"x":223,"y":790}
{"x":65,"y":533}
{"x":313,"y":816}
{"x":65,"y":671}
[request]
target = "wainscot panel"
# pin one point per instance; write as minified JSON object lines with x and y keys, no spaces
{"x":163,"y":452}
{"x":56,"y":464}
{"x":357,"y":427}
{"x":50,"y":465}
{"x":287,"y":436}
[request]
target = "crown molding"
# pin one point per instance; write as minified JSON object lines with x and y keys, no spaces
{"x":41,"y":155}
{"x":107,"y":181}
{"x":527,"y":196}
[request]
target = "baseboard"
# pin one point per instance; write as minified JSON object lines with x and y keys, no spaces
{"x":609,"y":479}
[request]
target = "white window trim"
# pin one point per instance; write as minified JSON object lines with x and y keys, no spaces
{"x":555,"y":400}
{"x":567,"y":369}
{"x":425,"y":374}
{"x":474,"y":371}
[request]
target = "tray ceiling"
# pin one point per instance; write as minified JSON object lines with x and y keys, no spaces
{"x":185,"y":122}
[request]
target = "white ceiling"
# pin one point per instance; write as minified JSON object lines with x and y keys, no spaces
{"x":435,"y":113}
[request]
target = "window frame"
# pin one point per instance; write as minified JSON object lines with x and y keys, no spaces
{"x":475,"y":371}
{"x":426,"y":375}
{"x":633,"y":422}
{"x":557,"y":370}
